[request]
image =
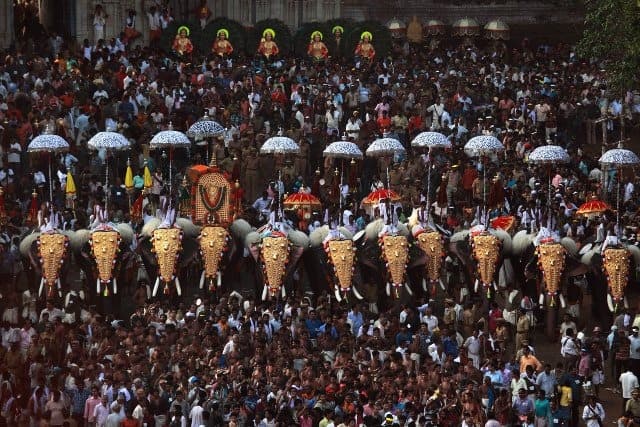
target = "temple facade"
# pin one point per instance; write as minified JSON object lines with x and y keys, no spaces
{"x":75,"y":17}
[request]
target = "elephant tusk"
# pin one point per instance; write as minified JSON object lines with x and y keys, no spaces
{"x":388,"y":289}
{"x":155,"y":286}
{"x":442,"y":284}
{"x":424,"y":284}
{"x":541,"y":300}
{"x":336,"y":292}
{"x":284,"y":292}
{"x":475,"y":286}
{"x":463,"y":293}
{"x":148,"y":289}
{"x":98,"y":286}
{"x":356,"y":293}
{"x":626,"y":303}
{"x":219,"y":279}
{"x":406,"y":285}
{"x":115,"y":286}
{"x":264,"y":293}
{"x":202,"y":277}
{"x":178,"y":288}
{"x":562,"y":302}
{"x":610,"y":303}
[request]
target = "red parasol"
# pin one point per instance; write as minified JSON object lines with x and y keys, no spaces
{"x":593,"y":207}
{"x":301,"y":199}
{"x":504,"y":222}
{"x":376,"y":196}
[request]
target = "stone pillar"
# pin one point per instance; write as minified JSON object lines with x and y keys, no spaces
{"x":84,"y":28}
{"x":6,"y":23}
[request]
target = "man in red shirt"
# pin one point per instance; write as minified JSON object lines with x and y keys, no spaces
{"x":470,"y":174}
{"x":416,"y":124}
{"x":384,"y":122}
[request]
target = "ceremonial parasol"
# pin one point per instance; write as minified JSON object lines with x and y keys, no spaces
{"x":430,"y":140}
{"x":170,"y":139}
{"x":505,"y":222}
{"x":593,"y":207}
{"x":205,"y":128}
{"x":496,"y":30}
{"x":108,"y":141}
{"x":619,"y":158}
{"x":279,"y":145}
{"x":377,"y":195}
{"x":549,"y":155}
{"x":466,"y":27}
{"x":435,"y":27}
{"x":342,"y":150}
{"x":385,"y":147}
{"x":482,"y":146}
{"x":302,"y":199}
{"x":48,"y":143}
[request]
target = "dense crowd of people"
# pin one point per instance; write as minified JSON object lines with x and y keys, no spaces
{"x":309,"y":360}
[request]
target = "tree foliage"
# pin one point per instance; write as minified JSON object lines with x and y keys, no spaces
{"x":611,"y":36}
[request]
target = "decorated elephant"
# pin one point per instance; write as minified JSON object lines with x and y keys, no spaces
{"x":169,"y":254}
{"x":277,"y":253}
{"x":49,"y":255}
{"x":335,"y":251}
{"x":611,"y":267}
{"x":546,"y":262}
{"x":485,"y":256}
{"x":105,"y":256}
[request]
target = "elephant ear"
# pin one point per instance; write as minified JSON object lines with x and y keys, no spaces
{"x":25,"y":244}
{"x":569,"y":245}
{"x":459,"y":236}
{"x":403,"y":230}
{"x":298,"y":238}
{"x":346,"y":233}
{"x":79,"y":239}
{"x":521,"y":241}
{"x":150,"y":227}
{"x":253,"y":238}
{"x":126,"y":233}
{"x":188,"y":227}
{"x":635,"y":252}
{"x":505,"y":239}
{"x":588,"y":256}
{"x":240,"y":228}
{"x":373,"y":229}
{"x":318,"y":235}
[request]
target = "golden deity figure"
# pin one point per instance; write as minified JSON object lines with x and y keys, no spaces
{"x":181,"y":43}
{"x":221,"y":45}
{"x":268,"y":47}
{"x":365,"y":50}
{"x":317,"y":49}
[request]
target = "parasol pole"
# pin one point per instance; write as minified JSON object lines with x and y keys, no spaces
{"x":106,"y":181}
{"x":428,"y":185}
{"x":619,"y":171}
{"x":549,"y":200}
{"x":484,"y":191}
{"x":50,"y":182}
{"x":340,"y":192}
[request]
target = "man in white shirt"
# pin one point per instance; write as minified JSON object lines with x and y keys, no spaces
{"x":101,"y":412}
{"x":628,"y":382}
{"x":429,"y":319}
{"x":13,"y":156}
